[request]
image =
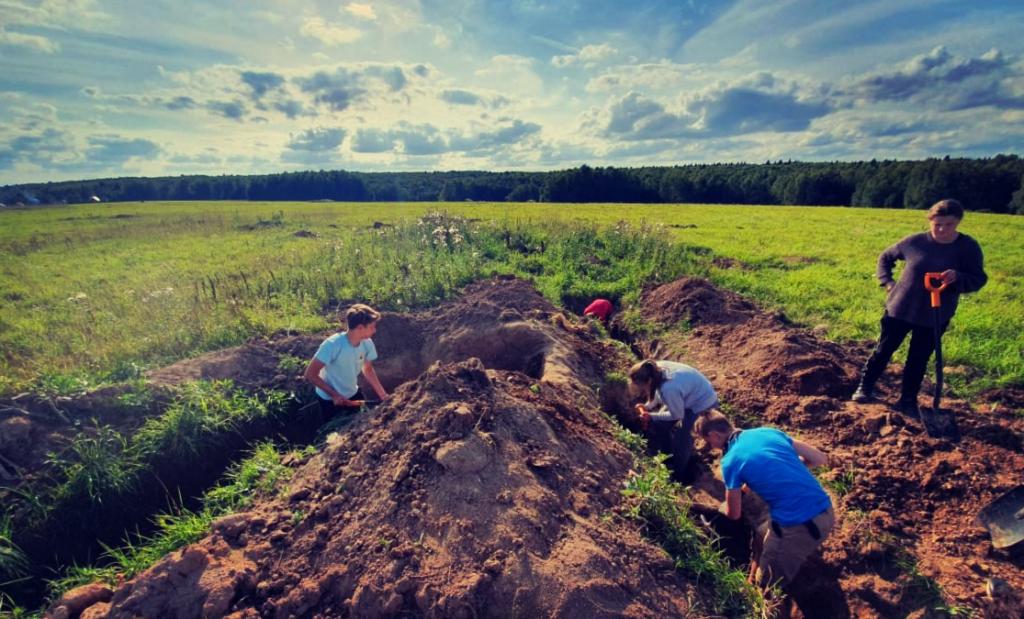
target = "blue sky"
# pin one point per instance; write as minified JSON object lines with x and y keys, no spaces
{"x":92,"y":88}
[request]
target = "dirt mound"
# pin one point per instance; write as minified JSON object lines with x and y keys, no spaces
{"x":255,"y":365}
{"x":906,"y":502}
{"x":695,"y":301}
{"x":472,"y":492}
{"x":750,"y":354}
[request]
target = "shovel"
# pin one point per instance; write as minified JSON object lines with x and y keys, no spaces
{"x":938,"y":423}
{"x":1004,"y":518}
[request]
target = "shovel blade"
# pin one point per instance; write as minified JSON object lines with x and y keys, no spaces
{"x":1004,"y":518}
{"x":940,"y":423}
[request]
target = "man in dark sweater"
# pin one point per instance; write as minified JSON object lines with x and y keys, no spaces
{"x":908,"y":309}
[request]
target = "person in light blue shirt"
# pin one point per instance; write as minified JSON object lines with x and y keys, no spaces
{"x":674,"y":395}
{"x":335,"y":368}
{"x":775,"y":466}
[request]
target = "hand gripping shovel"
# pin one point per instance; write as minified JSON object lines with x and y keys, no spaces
{"x":938,"y":423}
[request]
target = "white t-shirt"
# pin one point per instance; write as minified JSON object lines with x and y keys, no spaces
{"x":342,"y":363}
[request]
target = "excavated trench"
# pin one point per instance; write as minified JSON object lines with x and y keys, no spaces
{"x":409,"y":344}
{"x":441,"y":476}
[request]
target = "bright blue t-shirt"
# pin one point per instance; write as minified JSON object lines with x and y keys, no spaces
{"x":764,"y":459}
{"x":342,"y":363}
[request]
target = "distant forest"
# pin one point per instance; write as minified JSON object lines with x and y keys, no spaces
{"x":989,"y":184}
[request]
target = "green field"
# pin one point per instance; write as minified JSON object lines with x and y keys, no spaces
{"x":95,"y":293}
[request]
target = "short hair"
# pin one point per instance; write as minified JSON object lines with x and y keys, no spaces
{"x":712,"y":421}
{"x":946,"y":208}
{"x":360,"y":314}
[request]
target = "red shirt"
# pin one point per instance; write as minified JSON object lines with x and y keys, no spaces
{"x":600,"y":308}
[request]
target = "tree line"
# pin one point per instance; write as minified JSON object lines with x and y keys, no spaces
{"x":993,"y":184}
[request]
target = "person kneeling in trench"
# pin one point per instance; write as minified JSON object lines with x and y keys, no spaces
{"x":334,"y":369}
{"x":684,"y":393}
{"x":774,"y":466}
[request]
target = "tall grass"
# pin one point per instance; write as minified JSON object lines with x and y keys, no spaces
{"x":94,"y":469}
{"x":201,"y":413}
{"x":88,"y":288}
{"x":663,"y":507}
{"x":260,"y":282}
{"x":100,"y":468}
{"x":658,"y":503}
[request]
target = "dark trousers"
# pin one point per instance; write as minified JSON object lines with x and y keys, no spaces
{"x":922,"y":344}
{"x":674,"y":438}
{"x":329,"y":410}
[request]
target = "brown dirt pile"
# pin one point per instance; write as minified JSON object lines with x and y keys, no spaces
{"x":909,"y":498}
{"x":483,"y":487}
{"x":472,"y":492}
{"x":756,"y":353}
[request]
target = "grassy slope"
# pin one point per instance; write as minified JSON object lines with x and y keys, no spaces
{"x":145,"y":271}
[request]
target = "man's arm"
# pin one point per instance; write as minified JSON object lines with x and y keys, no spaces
{"x":811,"y":455}
{"x":886,"y":261}
{"x":973,"y":277}
{"x":312,"y":375}
{"x":732,"y":507}
{"x":371,"y":377}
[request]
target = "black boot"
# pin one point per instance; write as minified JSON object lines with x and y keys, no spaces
{"x":864,"y":393}
{"x":908,"y":406}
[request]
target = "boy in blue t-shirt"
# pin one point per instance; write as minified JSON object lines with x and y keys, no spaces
{"x":334,"y":369}
{"x":774,"y":466}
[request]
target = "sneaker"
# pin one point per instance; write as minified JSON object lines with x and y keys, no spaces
{"x":909,"y":408}
{"x":862,"y":394}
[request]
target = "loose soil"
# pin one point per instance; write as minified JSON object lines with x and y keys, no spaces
{"x":488,"y":485}
{"x":909,"y":493}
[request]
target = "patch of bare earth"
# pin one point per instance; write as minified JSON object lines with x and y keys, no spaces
{"x":909,"y":493}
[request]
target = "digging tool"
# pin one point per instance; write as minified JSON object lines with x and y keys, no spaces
{"x":1004,"y":518}
{"x":938,"y":423}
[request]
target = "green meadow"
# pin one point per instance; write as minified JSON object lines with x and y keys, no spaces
{"x":98,"y":293}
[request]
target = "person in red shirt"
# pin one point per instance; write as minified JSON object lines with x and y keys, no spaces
{"x":600,"y":308}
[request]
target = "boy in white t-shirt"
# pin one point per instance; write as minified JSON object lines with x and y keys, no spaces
{"x":334,"y":369}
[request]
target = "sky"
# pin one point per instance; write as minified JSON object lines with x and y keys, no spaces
{"x":101,"y":88}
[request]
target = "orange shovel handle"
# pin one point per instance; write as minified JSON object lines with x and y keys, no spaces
{"x":936,"y":290}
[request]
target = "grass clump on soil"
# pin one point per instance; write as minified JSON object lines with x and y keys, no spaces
{"x":261,"y":474}
{"x":94,"y":469}
{"x":13,"y":563}
{"x":203,"y":411}
{"x":654,"y":501}
{"x":101,"y":470}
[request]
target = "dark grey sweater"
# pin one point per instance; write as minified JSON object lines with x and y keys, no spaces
{"x":909,"y":300}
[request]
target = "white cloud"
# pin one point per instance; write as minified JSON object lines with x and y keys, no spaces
{"x":329,"y":33}
{"x":51,"y":13}
{"x":590,"y":56}
{"x":510,"y":73}
{"x":30,"y":41}
{"x":441,"y":39}
{"x":649,"y":77}
{"x":362,"y":11}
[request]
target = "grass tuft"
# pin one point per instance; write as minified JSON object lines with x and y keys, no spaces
{"x":259,"y":474}
{"x":655,"y":502}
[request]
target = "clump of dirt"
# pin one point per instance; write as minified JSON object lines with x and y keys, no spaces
{"x":906,"y":502}
{"x":471,"y":492}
